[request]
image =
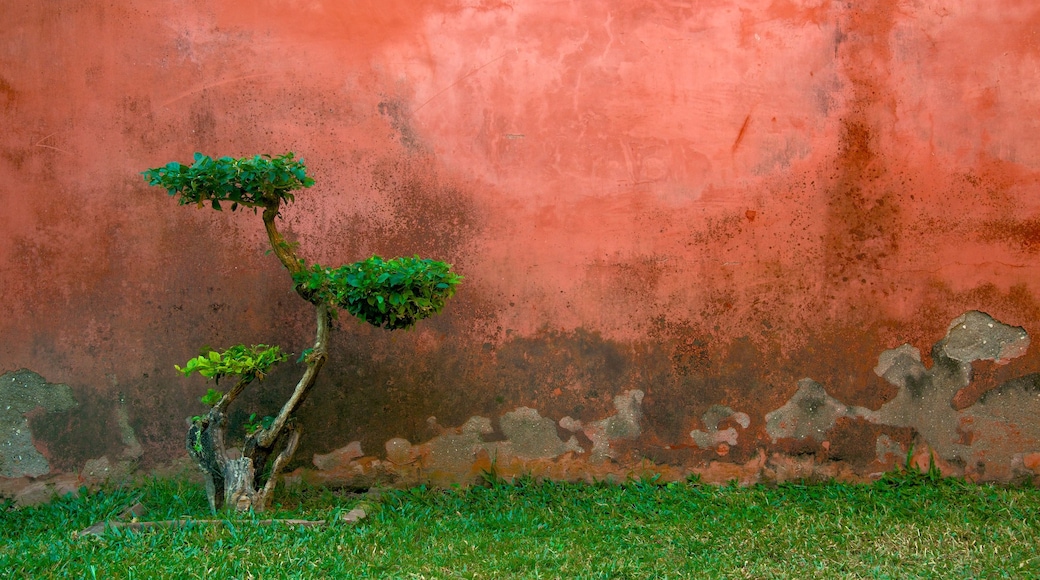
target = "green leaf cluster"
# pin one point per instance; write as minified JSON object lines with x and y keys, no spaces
{"x":258,"y":181}
{"x":212,"y":397}
{"x":392,"y":294}
{"x":254,"y":424}
{"x":251,"y":362}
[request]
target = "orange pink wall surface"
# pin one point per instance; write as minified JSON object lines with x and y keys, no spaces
{"x":696,"y":236}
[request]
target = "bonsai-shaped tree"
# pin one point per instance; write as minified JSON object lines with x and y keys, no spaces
{"x":393,"y":294}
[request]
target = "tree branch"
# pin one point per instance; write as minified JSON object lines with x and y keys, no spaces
{"x":278,"y":464}
{"x":279,"y":245}
{"x":315,"y":360}
{"x":230,"y":396}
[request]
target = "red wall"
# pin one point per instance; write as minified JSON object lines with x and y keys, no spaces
{"x":705,"y":202}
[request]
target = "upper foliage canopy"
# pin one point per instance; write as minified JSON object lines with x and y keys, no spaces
{"x":393,"y":294}
{"x":259,"y":181}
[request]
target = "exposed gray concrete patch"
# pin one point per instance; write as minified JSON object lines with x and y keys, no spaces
{"x":811,"y":412}
{"x":21,"y":392}
{"x":454,"y":450}
{"x":977,"y":336}
{"x":531,"y":436}
{"x":623,"y":425}
{"x":571,"y":424}
{"x":900,"y":366}
{"x":986,"y":438}
{"x":924,"y":398}
{"x":888,"y":449}
{"x":711,"y":436}
{"x":338,"y":458}
{"x":1004,"y":422}
{"x":400,"y":451}
{"x":126,"y":433}
{"x":528,"y":436}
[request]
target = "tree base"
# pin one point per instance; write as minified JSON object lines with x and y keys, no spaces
{"x":233,"y":483}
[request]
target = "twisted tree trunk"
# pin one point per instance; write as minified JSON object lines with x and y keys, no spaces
{"x":246,"y":482}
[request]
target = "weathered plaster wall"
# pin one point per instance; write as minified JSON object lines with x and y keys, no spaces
{"x":695,"y":235}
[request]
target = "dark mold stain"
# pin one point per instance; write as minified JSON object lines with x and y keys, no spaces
{"x":702,"y":370}
{"x":1026,"y":384}
{"x":7,"y":94}
{"x":400,"y":117}
{"x":863,"y":224}
{"x":386,"y":386}
{"x":203,"y":124}
{"x":863,"y":215}
{"x":853,"y":440}
{"x":1022,"y":235}
{"x":843,"y":357}
{"x":431,"y":215}
{"x":84,"y":432}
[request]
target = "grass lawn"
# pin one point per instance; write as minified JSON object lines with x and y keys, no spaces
{"x":907,"y":525}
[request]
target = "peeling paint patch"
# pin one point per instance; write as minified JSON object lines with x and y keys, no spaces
{"x":988,"y":439}
{"x":977,"y":336}
{"x":623,"y":425}
{"x":530,"y":443}
{"x":339,"y":457}
{"x":901,"y":366}
{"x":21,"y":392}
{"x":811,"y":412}
{"x":985,"y":433}
{"x":531,"y":436}
{"x":888,"y":449}
{"x":455,"y":450}
{"x":126,"y":433}
{"x":400,"y":451}
{"x":711,"y":437}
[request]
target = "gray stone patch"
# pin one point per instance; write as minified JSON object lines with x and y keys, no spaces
{"x":126,"y":433}
{"x":338,"y":458}
{"x":711,"y":436}
{"x":21,"y":392}
{"x":924,"y":397}
{"x":900,"y":365}
{"x":1004,"y":421}
{"x":887,"y":449}
{"x":400,"y":451}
